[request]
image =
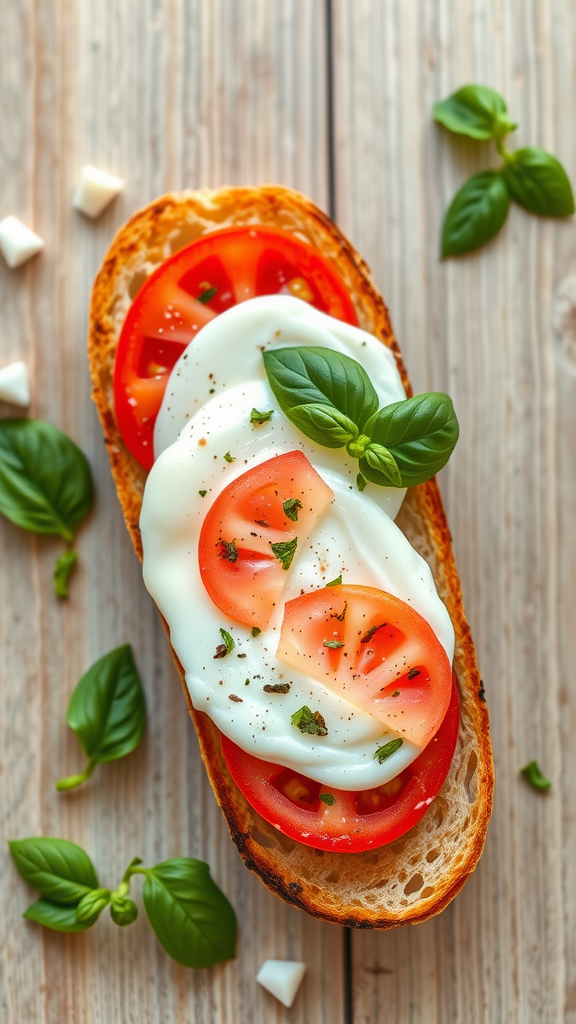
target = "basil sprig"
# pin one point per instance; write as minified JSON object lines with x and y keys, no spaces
{"x":330,"y":398}
{"x":190,"y":915}
{"x":107,"y":712}
{"x":531,"y":177}
{"x":45,"y":485}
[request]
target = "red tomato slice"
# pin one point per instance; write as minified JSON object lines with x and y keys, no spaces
{"x":242,"y":572}
{"x":355,"y":821}
{"x":375,"y":650}
{"x":238,"y":263}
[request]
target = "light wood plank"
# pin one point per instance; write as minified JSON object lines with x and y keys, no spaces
{"x":480,"y":328}
{"x":167,"y":94}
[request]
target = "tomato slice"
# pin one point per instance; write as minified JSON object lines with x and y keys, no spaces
{"x":242,"y":548}
{"x":354,"y":821}
{"x":375,"y":650}
{"x":224,"y":267}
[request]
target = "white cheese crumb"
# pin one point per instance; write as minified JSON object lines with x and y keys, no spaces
{"x":95,"y":190}
{"x":14,"y":385}
{"x":282,"y":978}
{"x":17,"y":242}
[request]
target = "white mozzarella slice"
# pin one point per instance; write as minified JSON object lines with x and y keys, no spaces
{"x":354,"y":537}
{"x":95,"y":190}
{"x":17,"y":242}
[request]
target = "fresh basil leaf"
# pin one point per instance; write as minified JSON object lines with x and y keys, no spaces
{"x":107,"y":711}
{"x":420,"y":432}
{"x":384,"y":752}
{"x":533,"y":775}
{"x":45,"y":480}
{"x":123,"y":911}
{"x":303,"y":376}
{"x":91,"y":905}
{"x":192,"y":918}
{"x":538,"y":182}
{"x":382,"y":460}
{"x":56,"y":916}
{"x":476,"y":213}
{"x":62,"y":572}
{"x":55,"y":868}
{"x":285,"y":551}
{"x":360,"y":482}
{"x":324,"y":424}
{"x":476,"y":111}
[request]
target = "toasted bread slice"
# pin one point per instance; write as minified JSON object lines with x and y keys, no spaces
{"x":418,"y":875}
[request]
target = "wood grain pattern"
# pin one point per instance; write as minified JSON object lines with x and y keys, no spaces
{"x":481,"y":328}
{"x":181,"y":93}
{"x":167,"y":94}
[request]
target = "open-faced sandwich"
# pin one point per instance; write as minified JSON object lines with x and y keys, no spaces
{"x":277,"y":480}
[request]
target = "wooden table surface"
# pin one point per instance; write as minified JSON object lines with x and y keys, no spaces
{"x":335,"y":100}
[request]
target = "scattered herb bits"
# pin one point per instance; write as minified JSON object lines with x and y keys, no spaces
{"x":207,"y":295}
{"x":192,"y":919}
{"x":328,"y":799}
{"x":291,"y":508}
{"x":227,"y":645}
{"x":258,"y":418}
{"x":255,"y":631}
{"x":285,"y":550}
{"x":333,"y":644}
{"x":533,"y":775}
{"x":310,"y":722}
{"x":336,"y":582}
{"x":384,"y":752}
{"x":276,"y":687}
{"x":230,"y":458}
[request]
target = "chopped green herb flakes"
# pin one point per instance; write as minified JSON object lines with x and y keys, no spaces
{"x":285,"y":551}
{"x":230,"y":551}
{"x":259,"y":418}
{"x":227,"y":646}
{"x":255,"y":631}
{"x":384,"y":752}
{"x":230,"y":458}
{"x":531,"y":772}
{"x":327,"y":798}
{"x":336,"y":582}
{"x":334,"y":644}
{"x":207,"y":295}
{"x":291,"y":507}
{"x":310,"y":722}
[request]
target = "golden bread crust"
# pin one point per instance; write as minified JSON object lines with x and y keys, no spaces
{"x":417,"y":876}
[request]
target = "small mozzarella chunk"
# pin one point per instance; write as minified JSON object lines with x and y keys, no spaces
{"x":282,"y":978}
{"x":95,"y":190}
{"x":14,"y":384}
{"x":17,"y":242}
